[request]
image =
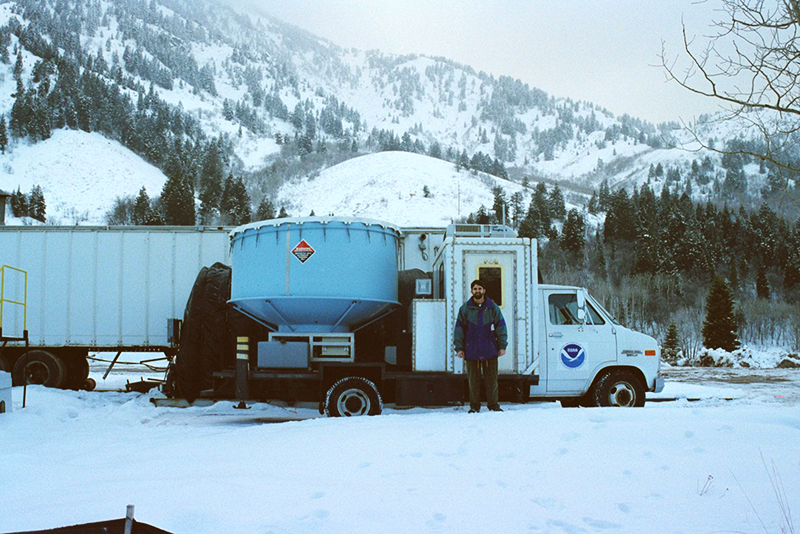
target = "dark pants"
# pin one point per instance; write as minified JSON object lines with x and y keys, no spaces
{"x":487,"y":369}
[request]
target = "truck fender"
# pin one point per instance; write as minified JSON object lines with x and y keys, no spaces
{"x":602,"y":369}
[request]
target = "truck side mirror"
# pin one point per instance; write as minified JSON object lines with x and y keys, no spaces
{"x":581,"y":307}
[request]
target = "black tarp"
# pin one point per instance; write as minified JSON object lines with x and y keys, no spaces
{"x":208,"y":335}
{"x":204,"y":346}
{"x":115,"y":526}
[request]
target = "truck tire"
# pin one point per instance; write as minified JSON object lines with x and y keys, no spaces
{"x":77,"y":371}
{"x":40,"y":367}
{"x":619,"y":388}
{"x":353,"y":396}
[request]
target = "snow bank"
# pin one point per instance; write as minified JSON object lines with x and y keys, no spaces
{"x":745,"y":357}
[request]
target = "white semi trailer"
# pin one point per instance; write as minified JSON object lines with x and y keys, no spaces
{"x":124,"y":289}
{"x":70,"y":290}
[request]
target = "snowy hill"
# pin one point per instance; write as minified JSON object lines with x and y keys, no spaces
{"x":81,"y":174}
{"x":389,"y":186}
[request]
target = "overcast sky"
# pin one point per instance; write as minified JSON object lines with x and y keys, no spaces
{"x":603,"y":51}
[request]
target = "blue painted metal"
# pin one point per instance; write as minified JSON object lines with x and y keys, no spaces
{"x":348,"y":279}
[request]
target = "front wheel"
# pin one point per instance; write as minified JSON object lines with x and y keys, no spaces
{"x":353,"y":396}
{"x":619,"y":388}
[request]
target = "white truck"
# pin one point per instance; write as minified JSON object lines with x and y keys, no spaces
{"x":119,"y":289}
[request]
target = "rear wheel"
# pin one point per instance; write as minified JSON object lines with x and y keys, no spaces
{"x":619,"y":388}
{"x":40,"y":367}
{"x":353,"y":396}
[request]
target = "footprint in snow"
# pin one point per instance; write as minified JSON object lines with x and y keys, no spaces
{"x":688,"y":434}
{"x":436,"y":522}
{"x":624,"y":508}
{"x":364,"y":465}
{"x":318,"y":495}
{"x":599,"y":523}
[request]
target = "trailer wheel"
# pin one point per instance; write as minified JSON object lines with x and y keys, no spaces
{"x":353,"y":396}
{"x":89,"y":384}
{"x":40,"y":367}
{"x":619,"y":388}
{"x":77,"y":370}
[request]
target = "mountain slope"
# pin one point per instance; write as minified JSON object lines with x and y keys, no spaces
{"x":81,"y":174}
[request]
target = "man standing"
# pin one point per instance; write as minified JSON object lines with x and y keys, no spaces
{"x":481,"y":338}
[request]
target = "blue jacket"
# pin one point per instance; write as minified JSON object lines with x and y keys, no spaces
{"x":480,"y":331}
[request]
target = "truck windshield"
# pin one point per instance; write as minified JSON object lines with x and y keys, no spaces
{"x":605,"y":311}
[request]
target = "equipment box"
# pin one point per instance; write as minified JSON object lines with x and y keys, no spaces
{"x":5,"y":392}
{"x":434,"y":390}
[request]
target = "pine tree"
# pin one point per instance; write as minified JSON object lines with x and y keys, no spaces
{"x":593,"y":204}
{"x":762,"y":285}
{"x":141,"y":213}
{"x":37,"y":207}
{"x":556,"y":204}
{"x":671,"y":346}
{"x":19,"y":204}
{"x":604,"y":197}
{"x":733,"y":277}
{"x":791,"y":274}
{"x":177,"y":198}
{"x":3,"y":135}
{"x":283,"y":213}
{"x":573,"y":238}
{"x":235,"y":203}
{"x":266,"y":210}
{"x":719,"y":328}
{"x":211,"y":174}
{"x":499,"y":205}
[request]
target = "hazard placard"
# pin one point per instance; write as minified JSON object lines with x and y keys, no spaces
{"x":302,"y":251}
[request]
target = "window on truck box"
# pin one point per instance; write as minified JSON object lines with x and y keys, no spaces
{"x":564,"y":310}
{"x":492,"y":278}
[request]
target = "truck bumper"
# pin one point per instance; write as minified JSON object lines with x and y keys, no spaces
{"x":658,"y":385}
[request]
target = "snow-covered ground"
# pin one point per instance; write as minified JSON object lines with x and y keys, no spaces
{"x":706,"y":466}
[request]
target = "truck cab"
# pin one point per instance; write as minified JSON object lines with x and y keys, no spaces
{"x":581,"y":342}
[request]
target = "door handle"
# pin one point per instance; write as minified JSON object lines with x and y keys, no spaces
{"x":556,"y":334}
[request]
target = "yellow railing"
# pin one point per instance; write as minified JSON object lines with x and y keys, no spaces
{"x":4,"y":300}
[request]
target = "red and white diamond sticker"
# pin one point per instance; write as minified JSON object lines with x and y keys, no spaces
{"x":303,"y":251}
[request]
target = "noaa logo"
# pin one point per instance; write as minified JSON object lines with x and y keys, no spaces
{"x":573,"y":355}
